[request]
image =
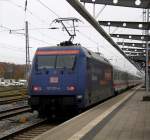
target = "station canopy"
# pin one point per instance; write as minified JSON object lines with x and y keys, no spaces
{"x":134,"y":56}
{"x":138,"y":54}
{"x":132,"y":36}
{"x":127,"y":24}
{"x":134,"y":50}
{"x":138,"y":58}
{"x":134,"y":53}
{"x":145,"y":4}
{"x":133,"y":44}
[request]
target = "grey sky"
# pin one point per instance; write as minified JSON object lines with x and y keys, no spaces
{"x":12,"y":46}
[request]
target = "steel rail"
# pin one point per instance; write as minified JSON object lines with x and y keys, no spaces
{"x":14,"y":111}
{"x":11,"y":89}
{"x":11,"y":100}
{"x":17,"y":130}
{"x":11,"y":95}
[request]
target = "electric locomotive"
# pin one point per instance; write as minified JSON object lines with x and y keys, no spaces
{"x":65,"y":77}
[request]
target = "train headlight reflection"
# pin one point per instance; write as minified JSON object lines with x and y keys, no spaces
{"x":71,"y":88}
{"x":79,"y":96}
{"x":37,"y":88}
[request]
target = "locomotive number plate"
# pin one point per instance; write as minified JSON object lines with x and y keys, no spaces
{"x":54,"y":80}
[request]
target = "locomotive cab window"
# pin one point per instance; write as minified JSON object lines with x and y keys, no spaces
{"x":45,"y":62}
{"x":65,"y":61}
{"x":53,"y":61}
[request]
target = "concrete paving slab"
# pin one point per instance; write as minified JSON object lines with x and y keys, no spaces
{"x":131,"y":122}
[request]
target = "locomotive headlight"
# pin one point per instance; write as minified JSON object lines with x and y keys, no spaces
{"x":71,"y":88}
{"x":37,"y":88}
{"x":79,"y":96}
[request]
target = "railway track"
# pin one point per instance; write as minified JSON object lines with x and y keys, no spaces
{"x":14,"y":111}
{"x":11,"y":99}
{"x":27,"y":131}
{"x":12,"y":95}
{"x":11,"y":89}
{"x":14,"y":92}
{"x":13,"y":102}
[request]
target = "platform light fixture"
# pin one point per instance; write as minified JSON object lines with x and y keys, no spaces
{"x":115,"y":1}
{"x":124,"y":24}
{"x":137,"y":2}
{"x":140,"y":25}
{"x":93,"y":0}
{"x":108,"y":23}
{"x":130,"y":36}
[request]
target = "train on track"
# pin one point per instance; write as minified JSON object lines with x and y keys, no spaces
{"x":70,"y":76}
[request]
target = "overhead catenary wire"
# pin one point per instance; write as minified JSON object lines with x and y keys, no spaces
{"x":51,"y":11}
{"x":10,"y":30}
{"x":58,"y":16}
{"x":44,"y":5}
{"x":34,"y":38}
{"x":43,"y":34}
{"x":90,"y":39}
{"x":30,"y":12}
{"x":18,"y":34}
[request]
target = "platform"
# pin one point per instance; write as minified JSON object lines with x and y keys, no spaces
{"x":124,"y":117}
{"x":131,"y":122}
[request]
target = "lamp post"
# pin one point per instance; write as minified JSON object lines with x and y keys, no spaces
{"x":147,"y":96}
{"x":147,"y":57}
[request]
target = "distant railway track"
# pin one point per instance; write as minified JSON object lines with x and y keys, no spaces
{"x":12,"y":95}
{"x":27,"y":131}
{"x":14,"y":111}
{"x":6,"y":100}
{"x":11,"y":89}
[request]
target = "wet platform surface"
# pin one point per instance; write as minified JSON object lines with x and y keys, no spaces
{"x":131,"y":122}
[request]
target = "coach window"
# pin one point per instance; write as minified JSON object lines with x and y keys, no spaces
{"x":115,"y":75}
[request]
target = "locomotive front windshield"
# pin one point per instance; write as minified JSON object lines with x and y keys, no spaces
{"x":45,"y":62}
{"x":55,"y":61}
{"x":65,"y":61}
